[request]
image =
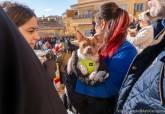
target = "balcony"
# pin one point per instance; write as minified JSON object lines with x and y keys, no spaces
{"x":82,"y":20}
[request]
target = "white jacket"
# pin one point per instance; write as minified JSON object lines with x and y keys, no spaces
{"x":143,"y":39}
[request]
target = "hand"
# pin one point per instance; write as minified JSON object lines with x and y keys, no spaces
{"x":70,"y":62}
{"x":98,"y":76}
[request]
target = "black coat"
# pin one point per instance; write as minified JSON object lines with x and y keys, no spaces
{"x":24,"y":85}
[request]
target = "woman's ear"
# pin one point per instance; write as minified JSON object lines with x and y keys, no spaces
{"x":103,"y":24}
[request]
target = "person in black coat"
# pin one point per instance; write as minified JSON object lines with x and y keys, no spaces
{"x":24,"y":85}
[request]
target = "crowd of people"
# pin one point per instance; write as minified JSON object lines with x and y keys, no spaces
{"x":132,"y":53}
{"x":55,"y":50}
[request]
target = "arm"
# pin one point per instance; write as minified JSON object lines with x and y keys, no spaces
{"x":146,"y":34}
{"x":118,"y":66}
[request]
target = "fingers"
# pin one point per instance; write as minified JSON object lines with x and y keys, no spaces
{"x":99,"y":75}
{"x":106,"y":76}
{"x":73,"y":54}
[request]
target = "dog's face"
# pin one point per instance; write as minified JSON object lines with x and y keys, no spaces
{"x":88,"y":47}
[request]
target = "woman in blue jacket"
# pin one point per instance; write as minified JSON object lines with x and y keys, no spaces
{"x":111,"y":30}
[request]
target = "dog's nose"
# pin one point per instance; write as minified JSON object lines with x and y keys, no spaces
{"x":89,"y":50}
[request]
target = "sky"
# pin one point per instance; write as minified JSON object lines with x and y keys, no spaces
{"x":47,"y":7}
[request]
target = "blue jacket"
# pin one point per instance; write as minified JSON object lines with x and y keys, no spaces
{"x":143,"y":88}
{"x":118,"y":65}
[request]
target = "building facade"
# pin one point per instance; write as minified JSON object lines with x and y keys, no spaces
{"x":81,"y":15}
{"x":50,"y":26}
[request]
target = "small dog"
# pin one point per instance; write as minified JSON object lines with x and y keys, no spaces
{"x":84,"y":65}
{"x":88,"y":58}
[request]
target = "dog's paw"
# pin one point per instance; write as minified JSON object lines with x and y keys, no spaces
{"x":83,"y":69}
{"x":92,"y":75}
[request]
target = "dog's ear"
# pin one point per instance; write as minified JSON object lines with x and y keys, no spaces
{"x":80,"y":36}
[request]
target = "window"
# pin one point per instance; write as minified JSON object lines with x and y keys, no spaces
{"x":76,"y":13}
{"x":88,"y":14}
{"x":139,"y":7}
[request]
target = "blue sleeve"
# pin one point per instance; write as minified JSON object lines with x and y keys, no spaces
{"x":119,"y":64}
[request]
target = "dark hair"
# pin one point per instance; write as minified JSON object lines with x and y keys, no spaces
{"x":107,"y":11}
{"x":117,"y":25}
{"x":18,"y":13}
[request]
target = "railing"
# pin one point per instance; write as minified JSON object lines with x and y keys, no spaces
{"x":78,"y":21}
{"x":83,"y":17}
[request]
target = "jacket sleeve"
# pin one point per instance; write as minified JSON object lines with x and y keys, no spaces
{"x":144,"y":35}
